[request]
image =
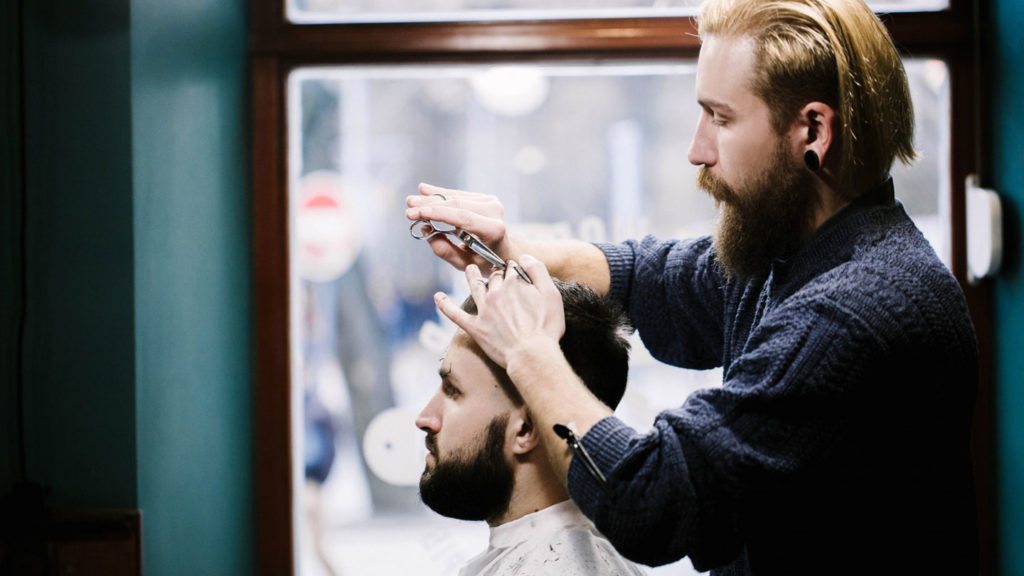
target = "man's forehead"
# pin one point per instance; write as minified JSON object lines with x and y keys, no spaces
{"x":465,"y":363}
{"x":461,"y":346}
{"x":462,"y":341}
{"x":724,"y":70}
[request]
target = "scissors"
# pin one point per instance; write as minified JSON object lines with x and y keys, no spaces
{"x":426,"y":229}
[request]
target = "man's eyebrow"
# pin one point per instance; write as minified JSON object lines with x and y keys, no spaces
{"x":716,"y":105}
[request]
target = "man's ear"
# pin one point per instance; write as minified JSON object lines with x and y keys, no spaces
{"x":816,"y":129}
{"x":525,"y":436}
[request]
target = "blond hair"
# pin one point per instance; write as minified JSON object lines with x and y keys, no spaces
{"x":832,"y":51}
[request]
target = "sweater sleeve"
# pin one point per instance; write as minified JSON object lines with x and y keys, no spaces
{"x":673,"y":295}
{"x":683,"y":488}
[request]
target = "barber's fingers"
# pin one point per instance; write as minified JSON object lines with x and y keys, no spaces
{"x":457,"y":256}
{"x":487,"y":223}
{"x":430,"y":194}
{"x":452,"y":310}
{"x":551,"y":298}
{"x":538,"y":273}
{"x":435,"y":195}
{"x":431,"y":190}
{"x":479,"y":214}
{"x":477,"y":286}
{"x":478,"y":290}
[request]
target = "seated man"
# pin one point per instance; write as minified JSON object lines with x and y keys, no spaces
{"x":486,"y":460}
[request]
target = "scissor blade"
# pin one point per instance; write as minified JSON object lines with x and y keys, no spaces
{"x":480,"y":248}
{"x":490,"y":255}
{"x":522,"y":274}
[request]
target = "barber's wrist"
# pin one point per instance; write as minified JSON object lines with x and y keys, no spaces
{"x":531,"y":357}
{"x":508,"y":248}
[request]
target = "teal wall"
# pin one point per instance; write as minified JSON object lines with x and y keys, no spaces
{"x":136,"y":354}
{"x":1005,"y":143}
{"x":11,"y":240}
{"x":79,"y":354}
{"x":131,"y":142}
{"x":192,"y":309}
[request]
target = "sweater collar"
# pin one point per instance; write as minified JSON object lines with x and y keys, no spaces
{"x":832,"y":242}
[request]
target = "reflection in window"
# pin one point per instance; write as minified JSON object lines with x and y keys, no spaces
{"x":596,"y":152}
{"x":340,"y":11}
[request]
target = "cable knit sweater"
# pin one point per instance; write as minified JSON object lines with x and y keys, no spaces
{"x":839,"y":440}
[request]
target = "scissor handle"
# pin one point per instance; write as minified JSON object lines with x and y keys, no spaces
{"x":426,"y":229}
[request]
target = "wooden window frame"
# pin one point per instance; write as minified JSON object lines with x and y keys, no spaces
{"x":276,"y":47}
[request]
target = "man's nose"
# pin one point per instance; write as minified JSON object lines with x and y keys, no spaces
{"x":428,"y":419}
{"x":702,"y":150}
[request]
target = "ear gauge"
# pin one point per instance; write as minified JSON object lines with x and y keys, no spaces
{"x":812,"y":161}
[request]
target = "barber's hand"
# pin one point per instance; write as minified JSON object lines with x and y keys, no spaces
{"x":478,"y":214}
{"x":510,"y":312}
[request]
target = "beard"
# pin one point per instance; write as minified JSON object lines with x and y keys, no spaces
{"x":763,"y":218}
{"x":470,"y":485}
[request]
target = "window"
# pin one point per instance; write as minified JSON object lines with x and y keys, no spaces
{"x":349,"y":117}
{"x":369,"y":337}
{"x":346,"y":11}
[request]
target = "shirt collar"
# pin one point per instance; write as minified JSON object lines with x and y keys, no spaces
{"x":538,"y":524}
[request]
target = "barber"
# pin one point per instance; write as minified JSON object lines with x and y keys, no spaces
{"x":839,"y":441}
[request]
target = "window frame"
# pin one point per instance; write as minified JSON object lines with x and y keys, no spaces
{"x":276,"y":47}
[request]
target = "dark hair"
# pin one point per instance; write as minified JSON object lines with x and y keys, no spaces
{"x":595,"y":342}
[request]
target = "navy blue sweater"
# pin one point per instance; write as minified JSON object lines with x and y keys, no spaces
{"x":839,"y":440}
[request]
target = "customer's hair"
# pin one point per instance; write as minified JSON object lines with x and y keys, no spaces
{"x":595,"y":343}
{"x":832,"y":51}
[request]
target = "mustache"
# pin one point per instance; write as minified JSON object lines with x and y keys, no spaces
{"x":705,"y":180}
{"x":431,"y":442}
{"x":714,"y":186}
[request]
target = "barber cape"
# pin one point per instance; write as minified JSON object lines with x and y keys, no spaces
{"x":557,"y":541}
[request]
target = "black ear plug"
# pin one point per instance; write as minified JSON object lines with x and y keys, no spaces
{"x":812,"y":161}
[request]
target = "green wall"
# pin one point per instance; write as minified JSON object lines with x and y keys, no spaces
{"x":79,"y":355}
{"x":131,"y":145}
{"x":136,"y":355}
{"x":192,"y":265}
{"x":1005,"y":141}
{"x":11,"y":240}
